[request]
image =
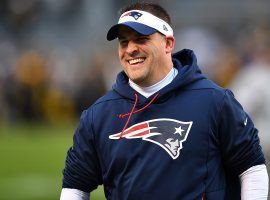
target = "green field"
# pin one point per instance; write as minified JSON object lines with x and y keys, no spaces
{"x":32,"y":158}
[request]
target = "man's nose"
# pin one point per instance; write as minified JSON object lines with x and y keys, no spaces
{"x":131,"y":48}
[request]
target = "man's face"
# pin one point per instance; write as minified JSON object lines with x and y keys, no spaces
{"x":173,"y":145}
{"x":143,"y":58}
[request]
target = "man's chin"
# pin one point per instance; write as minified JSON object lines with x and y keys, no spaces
{"x":137,"y":80}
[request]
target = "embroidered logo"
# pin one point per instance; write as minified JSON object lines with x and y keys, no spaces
{"x":167,"y":133}
{"x":134,"y":14}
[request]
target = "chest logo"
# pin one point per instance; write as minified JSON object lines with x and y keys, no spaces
{"x":167,"y":133}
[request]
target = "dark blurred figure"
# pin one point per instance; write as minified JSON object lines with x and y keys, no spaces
{"x":25,"y":90}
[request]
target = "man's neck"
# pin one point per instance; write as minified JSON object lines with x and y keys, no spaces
{"x":148,"y":91}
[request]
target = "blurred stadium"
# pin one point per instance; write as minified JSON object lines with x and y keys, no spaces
{"x":55,"y":62}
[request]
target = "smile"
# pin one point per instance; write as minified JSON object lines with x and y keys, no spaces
{"x":136,"y":61}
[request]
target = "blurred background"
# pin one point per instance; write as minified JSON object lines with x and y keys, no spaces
{"x":55,"y":62}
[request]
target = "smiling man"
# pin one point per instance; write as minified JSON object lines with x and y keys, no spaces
{"x":164,"y":131}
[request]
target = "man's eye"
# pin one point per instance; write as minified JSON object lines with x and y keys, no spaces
{"x":123,"y":43}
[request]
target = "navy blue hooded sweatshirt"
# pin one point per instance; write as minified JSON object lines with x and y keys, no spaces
{"x":190,"y":140}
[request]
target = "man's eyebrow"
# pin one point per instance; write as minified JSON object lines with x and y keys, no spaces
{"x":122,"y":37}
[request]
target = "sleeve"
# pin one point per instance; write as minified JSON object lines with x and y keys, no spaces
{"x":82,"y":169}
{"x":73,"y":194}
{"x":254,"y":183}
{"x":238,"y":138}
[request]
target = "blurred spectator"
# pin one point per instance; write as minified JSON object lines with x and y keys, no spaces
{"x":26,"y":89}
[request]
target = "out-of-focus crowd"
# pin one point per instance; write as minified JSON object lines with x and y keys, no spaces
{"x":49,"y":66}
{"x":55,"y":61}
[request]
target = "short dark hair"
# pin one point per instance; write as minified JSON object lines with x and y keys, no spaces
{"x":152,"y":8}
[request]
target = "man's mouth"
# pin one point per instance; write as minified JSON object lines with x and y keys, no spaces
{"x":136,"y":61}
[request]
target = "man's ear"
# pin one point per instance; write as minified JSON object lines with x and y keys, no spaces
{"x":170,"y":41}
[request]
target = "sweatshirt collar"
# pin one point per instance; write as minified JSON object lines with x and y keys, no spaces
{"x":148,"y":91}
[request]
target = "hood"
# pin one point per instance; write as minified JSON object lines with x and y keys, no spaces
{"x":184,"y":61}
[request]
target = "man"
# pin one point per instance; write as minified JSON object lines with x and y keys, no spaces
{"x":164,"y":131}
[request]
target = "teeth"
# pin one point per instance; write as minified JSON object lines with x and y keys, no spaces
{"x":135,"y":61}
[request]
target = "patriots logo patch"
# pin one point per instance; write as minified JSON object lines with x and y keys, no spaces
{"x":134,"y":14}
{"x":167,"y":133}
